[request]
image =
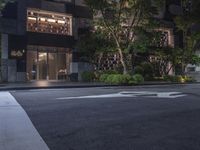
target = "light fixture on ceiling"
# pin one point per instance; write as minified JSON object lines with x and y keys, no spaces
{"x":42,"y":19}
{"x":32,"y":18}
{"x":51,"y":20}
{"x":61,"y":22}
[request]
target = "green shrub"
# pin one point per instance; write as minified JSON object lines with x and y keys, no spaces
{"x":172,"y":78}
{"x":110,"y":72}
{"x":167,"y":78}
{"x":127,"y":77}
{"x":138,"y":70}
{"x":88,"y":76}
{"x":109,"y":78}
{"x":103,"y":77}
{"x":118,"y":79}
{"x":138,"y":79}
{"x":102,"y":74}
{"x":179,"y":79}
{"x":148,"y":70}
{"x":188,"y":79}
{"x":122,"y":79}
{"x":98,"y":75}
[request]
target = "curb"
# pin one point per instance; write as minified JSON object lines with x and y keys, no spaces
{"x":52,"y":87}
{"x":89,"y":86}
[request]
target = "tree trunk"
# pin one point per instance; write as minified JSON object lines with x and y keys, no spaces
{"x":116,"y":38}
{"x":122,"y":61}
{"x":99,"y":60}
{"x":133,"y":57}
{"x":183,"y":67}
{"x":184,"y":50}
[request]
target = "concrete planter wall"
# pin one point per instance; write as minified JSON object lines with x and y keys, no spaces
{"x":84,"y":66}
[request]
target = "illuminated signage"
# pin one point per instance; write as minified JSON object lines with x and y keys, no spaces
{"x":17,"y":53}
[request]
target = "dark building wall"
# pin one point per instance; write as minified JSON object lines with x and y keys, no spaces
{"x":53,"y":40}
{"x":10,"y":11}
{"x":16,"y":13}
{"x":71,"y":8}
{"x":17,"y":44}
{"x":173,"y":8}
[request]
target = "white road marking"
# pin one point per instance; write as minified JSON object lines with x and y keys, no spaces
{"x":131,"y":94}
{"x":16,"y":129}
{"x":155,"y":94}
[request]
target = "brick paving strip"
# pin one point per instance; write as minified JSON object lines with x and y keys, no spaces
{"x":16,"y":129}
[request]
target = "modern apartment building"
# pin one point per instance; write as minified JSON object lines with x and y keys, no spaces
{"x":38,"y":39}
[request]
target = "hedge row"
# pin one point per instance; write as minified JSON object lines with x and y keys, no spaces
{"x":121,"y":79}
{"x":112,"y":77}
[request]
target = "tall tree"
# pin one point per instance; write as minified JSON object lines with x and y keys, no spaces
{"x":93,"y":44}
{"x":120,"y":19}
{"x":191,"y":38}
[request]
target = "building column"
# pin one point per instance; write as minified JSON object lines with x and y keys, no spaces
{"x":8,"y":66}
{"x":4,"y":57}
{"x":74,"y":67}
{"x":77,"y":67}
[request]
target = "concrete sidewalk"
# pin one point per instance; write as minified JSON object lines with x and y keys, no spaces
{"x":16,"y":129}
{"x":62,"y":84}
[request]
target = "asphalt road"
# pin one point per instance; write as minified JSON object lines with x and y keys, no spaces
{"x":68,"y":121}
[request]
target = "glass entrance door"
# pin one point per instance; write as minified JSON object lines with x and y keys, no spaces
{"x":42,"y":66}
{"x":48,"y":64}
{"x":52,"y":66}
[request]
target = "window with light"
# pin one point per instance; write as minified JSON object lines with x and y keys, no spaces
{"x":49,"y":22}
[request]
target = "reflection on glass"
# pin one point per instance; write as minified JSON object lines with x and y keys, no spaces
{"x":52,"y":61}
{"x":32,"y":65}
{"x":42,"y":63}
{"x":61,"y":64}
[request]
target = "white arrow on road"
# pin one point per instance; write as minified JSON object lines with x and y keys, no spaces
{"x":132,"y":94}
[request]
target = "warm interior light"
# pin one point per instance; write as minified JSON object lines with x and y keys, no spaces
{"x":42,"y":19}
{"x":42,"y":55}
{"x":51,"y":20}
{"x":32,"y":18}
{"x":61,"y":21}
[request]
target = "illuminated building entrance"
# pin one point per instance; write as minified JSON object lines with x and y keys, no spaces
{"x":39,"y":38}
{"x":48,"y":63}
